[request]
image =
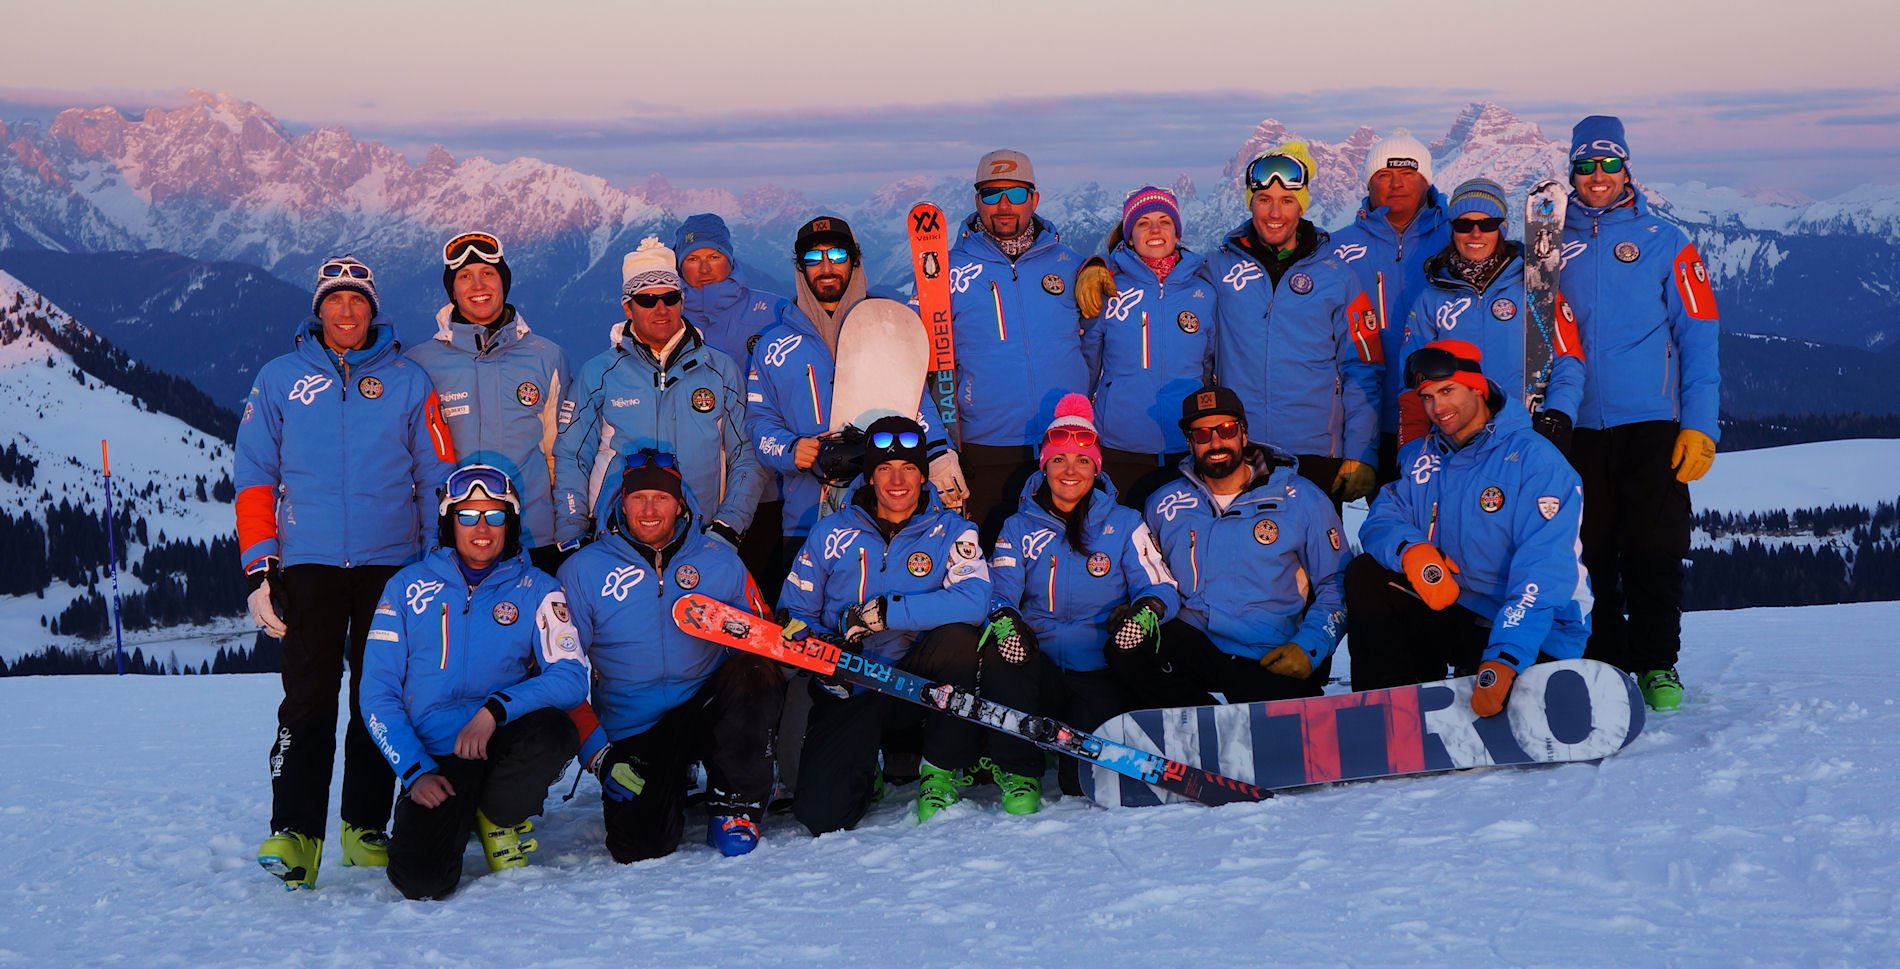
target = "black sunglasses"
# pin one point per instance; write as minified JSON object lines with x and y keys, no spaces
{"x":647,"y":301}
{"x":1467,"y":226}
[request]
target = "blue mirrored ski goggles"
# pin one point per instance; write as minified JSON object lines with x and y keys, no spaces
{"x":832,"y":254}
{"x":1014,"y":194}
{"x":650,"y":458}
{"x":882,"y":440}
{"x":495,"y":517}
{"x":465,"y":482}
{"x":338,"y":268}
{"x":1265,"y":169}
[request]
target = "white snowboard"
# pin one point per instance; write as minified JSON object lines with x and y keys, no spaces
{"x":882,"y":354}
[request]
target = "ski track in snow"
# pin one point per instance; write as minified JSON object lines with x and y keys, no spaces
{"x":1756,"y":827}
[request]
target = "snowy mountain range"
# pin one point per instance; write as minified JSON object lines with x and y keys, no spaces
{"x":221,"y":180}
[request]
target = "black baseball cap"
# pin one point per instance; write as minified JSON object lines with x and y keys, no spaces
{"x":825,"y":229}
{"x":1209,"y":401}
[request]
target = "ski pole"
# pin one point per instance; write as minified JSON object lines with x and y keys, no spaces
{"x":112,"y":560}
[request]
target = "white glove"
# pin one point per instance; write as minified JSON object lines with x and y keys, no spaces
{"x":263,"y":613}
{"x":946,"y":473}
{"x":863,"y":620}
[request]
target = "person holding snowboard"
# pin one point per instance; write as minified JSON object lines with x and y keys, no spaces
{"x":658,"y":386}
{"x":1646,"y":426}
{"x":902,"y":580}
{"x":1471,"y":557}
{"x":338,"y":454}
{"x":471,"y":666}
{"x":1017,"y":332}
{"x":664,"y":698}
{"x":1474,"y":291}
{"x":1074,"y":573}
{"x":503,"y":386}
{"x":1258,"y":556}
{"x":1147,"y":345}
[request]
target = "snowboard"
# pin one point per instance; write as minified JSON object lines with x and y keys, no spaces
{"x":882,"y":352}
{"x":930,"y":259}
{"x":717,"y":622}
{"x":1543,"y":257}
{"x":1572,"y":710}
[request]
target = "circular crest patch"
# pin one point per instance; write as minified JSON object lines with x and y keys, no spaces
{"x":1266,"y":531}
{"x":506,"y":613}
{"x":1098,"y":564}
{"x":752,"y":342}
{"x":919,"y":564}
{"x":686,"y":577}
{"x":1491,"y":499}
{"x":528,"y":394}
{"x":1502,"y":308}
{"x":1053,"y":285}
{"x":1300,"y":283}
{"x":1188,"y":322}
{"x":370,"y":388}
{"x":1627,"y":251}
{"x":1432,"y":574}
{"x":702,"y":400}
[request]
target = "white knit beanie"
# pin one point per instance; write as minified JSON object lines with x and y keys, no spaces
{"x":1400,"y":151}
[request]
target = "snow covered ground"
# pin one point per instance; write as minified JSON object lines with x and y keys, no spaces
{"x":1756,"y":827}
{"x":1859,"y":472}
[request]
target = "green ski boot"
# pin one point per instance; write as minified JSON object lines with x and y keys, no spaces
{"x":1022,"y":794}
{"x":502,"y":845}
{"x":292,"y":858}
{"x":1662,"y":689}
{"x":364,"y":847}
{"x":938,"y":789}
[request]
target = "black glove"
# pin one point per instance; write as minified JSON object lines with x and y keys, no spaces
{"x":864,"y":619}
{"x":725,"y":531}
{"x":1555,"y":426}
{"x":840,"y":456}
{"x":1013,"y":638}
{"x":1137,"y":624}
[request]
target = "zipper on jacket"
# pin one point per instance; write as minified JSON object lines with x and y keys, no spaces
{"x":1053,"y":559}
{"x":445,"y":637}
{"x":817,"y":411}
{"x":1194,"y":560}
{"x":996,"y":297}
{"x":1144,"y":339}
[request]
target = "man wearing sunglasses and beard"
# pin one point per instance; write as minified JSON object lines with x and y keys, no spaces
{"x":1646,"y":426}
{"x":1018,"y":334}
{"x":661,"y":387}
{"x":503,"y":387}
{"x":338,"y":455}
{"x":1258,"y":555}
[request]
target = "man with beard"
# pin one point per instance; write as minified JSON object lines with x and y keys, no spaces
{"x":1259,"y":558}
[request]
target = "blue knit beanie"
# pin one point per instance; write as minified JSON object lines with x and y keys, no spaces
{"x":1481,"y":196}
{"x":702,"y":231}
{"x":1599,"y":136}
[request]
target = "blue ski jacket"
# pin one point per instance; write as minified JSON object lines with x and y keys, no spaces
{"x":502,"y":397}
{"x":1246,"y":573}
{"x":1507,"y":508}
{"x":932,"y":572}
{"x":1148,"y":350}
{"x":1646,"y":315}
{"x":730,"y":315}
{"x":338,"y":459}
{"x":691,"y":405}
{"x":438,"y":650}
{"x":1391,"y":268}
{"x":789,"y":398}
{"x":1017,"y":333}
{"x":1304,"y":356}
{"x":1066,"y":595}
{"x":622,"y":600}
{"x":1493,"y":319}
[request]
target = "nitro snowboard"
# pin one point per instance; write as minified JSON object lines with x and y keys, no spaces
{"x":1543,"y":257}
{"x":1573,"y":710}
{"x":930,"y":258}
{"x":716,"y":622}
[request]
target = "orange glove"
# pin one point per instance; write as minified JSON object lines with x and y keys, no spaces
{"x":1493,"y":688}
{"x":1289,"y":660}
{"x":1694,"y":454}
{"x":1094,"y":287}
{"x":1432,"y":574}
{"x":1412,"y":420}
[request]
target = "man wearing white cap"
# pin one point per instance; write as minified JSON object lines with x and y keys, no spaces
{"x":1401,"y":223}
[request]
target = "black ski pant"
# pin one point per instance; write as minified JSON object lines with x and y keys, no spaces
{"x":995,"y":477}
{"x":1321,"y":470}
{"x":327,"y":612}
{"x":1187,"y":668}
{"x":1084,"y":699}
{"x":760,"y":550}
{"x":838,"y":769}
{"x":525,"y":756}
{"x":728,"y":725}
{"x":1636,"y":520}
{"x":1395,"y":639}
{"x":1137,"y":475}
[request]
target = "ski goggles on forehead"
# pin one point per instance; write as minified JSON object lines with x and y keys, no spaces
{"x":1014,"y":194}
{"x":1588,"y":166}
{"x":1467,"y":226}
{"x":1286,"y":168}
{"x":650,"y":458}
{"x":1435,"y":363}
{"x":647,"y":301}
{"x":832,"y":254}
{"x":337,"y":269}
{"x":883,"y":440}
{"x":1225,"y":430}
{"x":1075,"y":436}
{"x":471,"y":245}
{"x":463,"y":483}
{"x":495,"y":517}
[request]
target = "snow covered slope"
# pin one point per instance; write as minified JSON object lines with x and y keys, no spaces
{"x":1816,"y":475}
{"x":1756,"y":827}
